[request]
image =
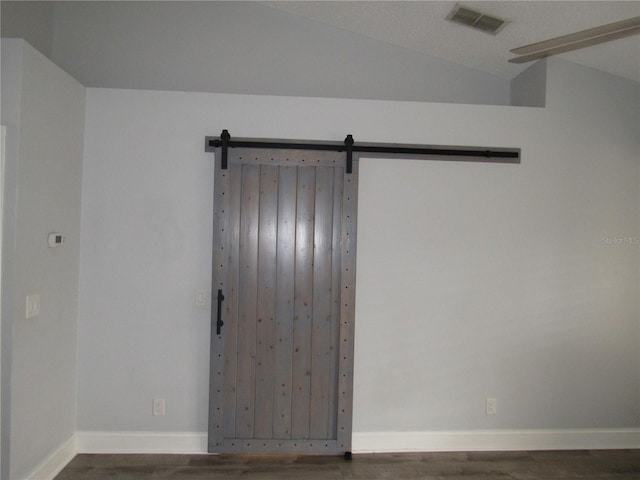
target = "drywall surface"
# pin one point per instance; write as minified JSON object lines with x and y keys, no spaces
{"x":45,"y":132}
{"x":474,"y":280}
{"x":529,"y":89}
{"x":517,"y":284}
{"x":248,"y":48}
{"x":11,"y":88}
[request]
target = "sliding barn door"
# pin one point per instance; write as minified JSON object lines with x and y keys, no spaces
{"x":283,"y":302}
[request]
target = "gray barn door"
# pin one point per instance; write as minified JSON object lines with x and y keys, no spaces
{"x":284,"y":261}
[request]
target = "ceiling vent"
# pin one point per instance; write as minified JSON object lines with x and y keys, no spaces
{"x":475,"y":19}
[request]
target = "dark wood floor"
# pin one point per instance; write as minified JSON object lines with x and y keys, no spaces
{"x":550,"y":465}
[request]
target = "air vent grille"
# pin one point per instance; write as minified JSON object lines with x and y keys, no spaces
{"x":475,"y":19}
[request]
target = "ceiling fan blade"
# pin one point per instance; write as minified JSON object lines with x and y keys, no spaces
{"x":576,"y":45}
{"x":578,"y":36}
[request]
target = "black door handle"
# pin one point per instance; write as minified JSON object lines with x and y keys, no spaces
{"x":219,"y":323}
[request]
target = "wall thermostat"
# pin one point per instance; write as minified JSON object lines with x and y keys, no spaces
{"x":55,"y":239}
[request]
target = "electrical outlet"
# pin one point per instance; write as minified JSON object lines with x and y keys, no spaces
{"x":158,"y":407}
{"x":32,"y":308}
{"x":492,"y":406}
{"x":201,"y":298}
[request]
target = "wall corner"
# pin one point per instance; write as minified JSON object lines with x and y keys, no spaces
{"x":529,"y":88}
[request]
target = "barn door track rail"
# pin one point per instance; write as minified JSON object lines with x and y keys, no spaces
{"x":368,"y":150}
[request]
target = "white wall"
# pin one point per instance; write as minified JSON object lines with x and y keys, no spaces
{"x":504,"y":287}
{"x":474,"y":280}
{"x":11,"y":78}
{"x":2,"y":150}
{"x":45,"y":129}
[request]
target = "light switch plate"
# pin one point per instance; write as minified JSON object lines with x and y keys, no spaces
{"x":201,"y":298}
{"x":32,"y":306}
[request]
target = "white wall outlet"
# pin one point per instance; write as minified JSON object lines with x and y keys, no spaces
{"x":158,"y":407}
{"x":201,"y":298}
{"x":492,"y":406}
{"x":32,"y":308}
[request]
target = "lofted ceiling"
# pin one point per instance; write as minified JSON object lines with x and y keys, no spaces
{"x":420,"y":26}
{"x":385,"y":50}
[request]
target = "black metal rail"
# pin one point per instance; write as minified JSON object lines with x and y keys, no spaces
{"x":470,"y":154}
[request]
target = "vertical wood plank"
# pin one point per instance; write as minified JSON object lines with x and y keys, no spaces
{"x":266,"y":306}
{"x":219,"y":273}
{"x":321,"y":322}
{"x":347,"y":307}
{"x":230,"y":318}
{"x":247,"y":293}
{"x":336,"y":273}
{"x":303,"y":303}
{"x":285,"y":270}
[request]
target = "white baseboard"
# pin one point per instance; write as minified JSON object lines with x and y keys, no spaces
{"x":379,"y":442}
{"x":496,"y":440}
{"x":55,"y":462}
{"x":141,"y":442}
{"x":363,"y":442}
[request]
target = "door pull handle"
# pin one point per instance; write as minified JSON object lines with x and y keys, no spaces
{"x":219,"y":323}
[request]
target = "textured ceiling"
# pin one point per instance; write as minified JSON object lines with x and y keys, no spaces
{"x":420,"y":26}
